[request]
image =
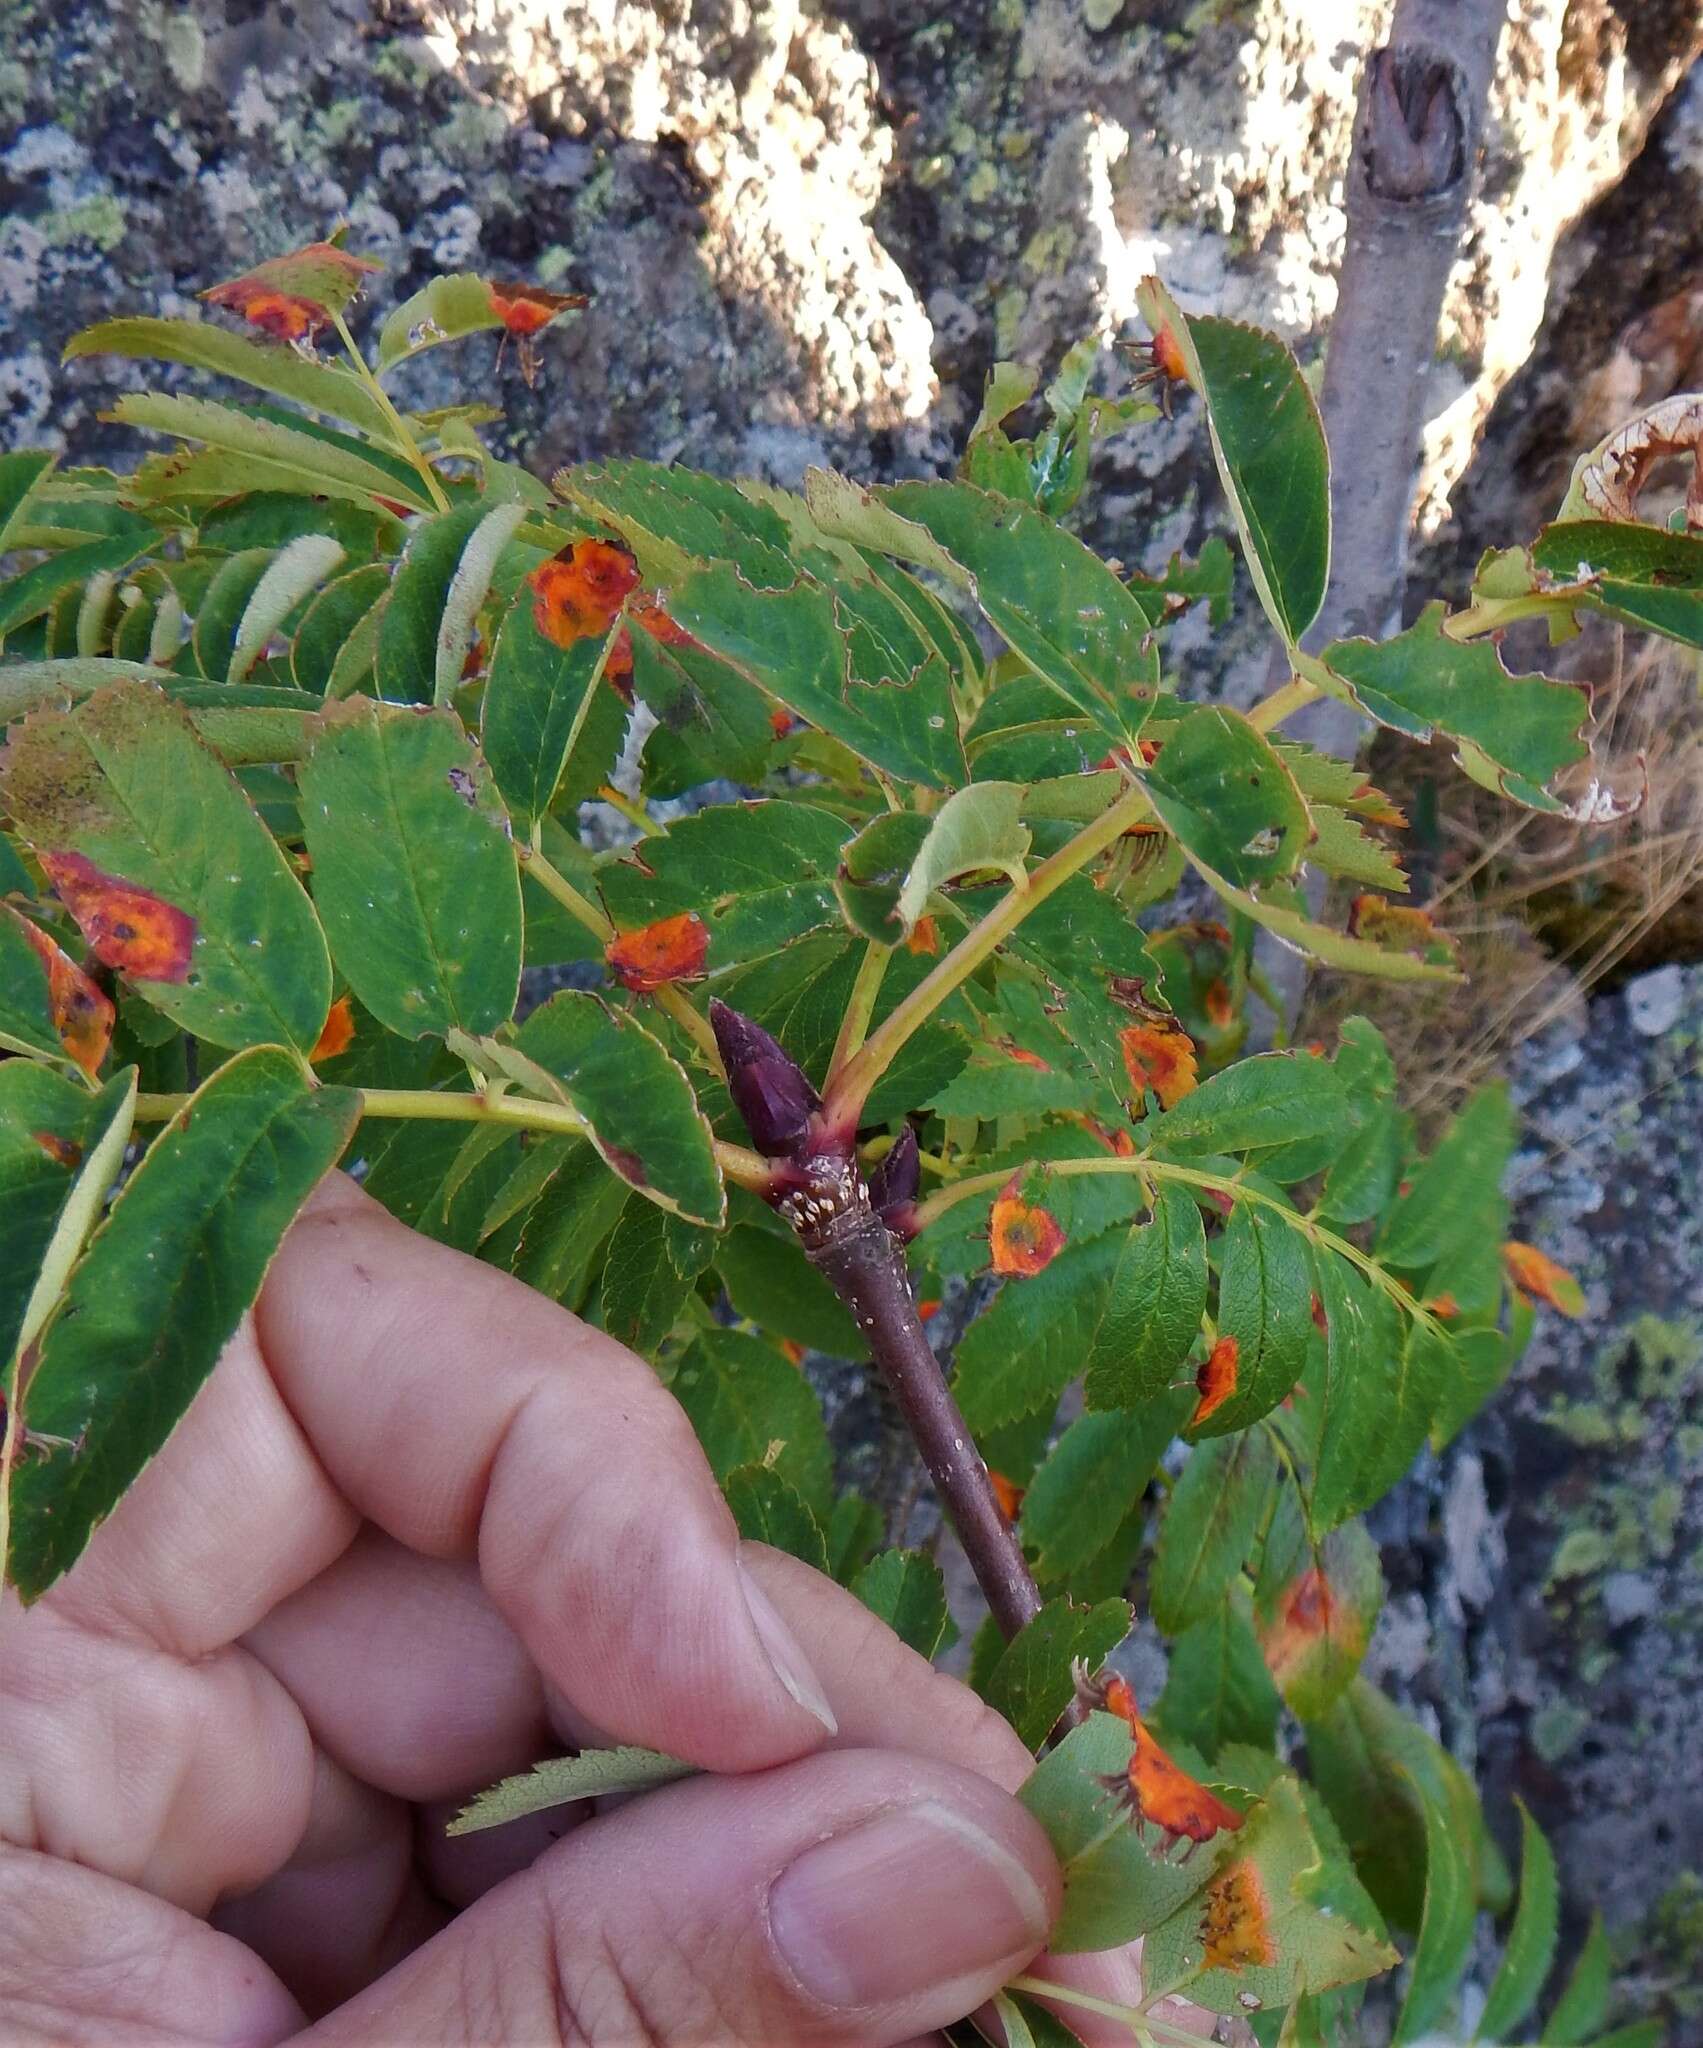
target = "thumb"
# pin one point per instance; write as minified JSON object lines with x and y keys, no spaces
{"x":858,"y":1896}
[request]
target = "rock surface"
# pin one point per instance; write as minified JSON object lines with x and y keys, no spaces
{"x":807,"y":231}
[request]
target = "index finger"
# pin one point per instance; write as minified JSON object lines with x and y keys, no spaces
{"x":467,"y":1415}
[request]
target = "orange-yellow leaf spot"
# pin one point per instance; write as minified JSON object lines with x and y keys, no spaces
{"x":528,"y":308}
{"x":1160,"y":1056}
{"x":64,"y":1152}
{"x":1539,"y":1278}
{"x":1025,"y":1058}
{"x":1216,"y":1380}
{"x":1168,"y":357}
{"x":1307,"y":1615}
{"x":1444,"y":1307}
{"x":82,"y":1015}
{"x":1321,"y":1322}
{"x":1009,"y":1496}
{"x":127,"y":928}
{"x":291,"y":297}
{"x":1235,"y":1921}
{"x":1398,"y":928}
{"x":579,"y":591}
{"x":337,"y":1033}
{"x":924,"y":938}
{"x":672,"y":949}
{"x":781,"y":722}
{"x":927,"y":1309}
{"x":1160,"y":1790}
{"x":1220,"y":1010}
{"x":792,"y":1351}
{"x":1025,"y":1238}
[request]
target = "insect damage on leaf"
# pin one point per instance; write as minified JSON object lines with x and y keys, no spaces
{"x":579,"y":591}
{"x":338,"y":1032}
{"x":128,"y":928}
{"x":1540,"y":1279}
{"x":1024,"y":1237}
{"x":1235,"y":1920}
{"x":1159,"y":1056}
{"x":1609,"y":480}
{"x":293,"y":297}
{"x":82,"y":1014}
{"x":1157,"y":1788}
{"x":1216,"y":1380}
{"x":672,"y":949}
{"x":1401,"y":928}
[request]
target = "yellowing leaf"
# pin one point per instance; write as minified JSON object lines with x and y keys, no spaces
{"x":1538,"y":1277}
{"x":1160,"y":1056}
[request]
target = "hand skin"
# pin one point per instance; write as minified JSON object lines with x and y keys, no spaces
{"x":421,"y":1528}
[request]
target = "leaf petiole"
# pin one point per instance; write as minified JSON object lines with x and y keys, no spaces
{"x":406,"y":445}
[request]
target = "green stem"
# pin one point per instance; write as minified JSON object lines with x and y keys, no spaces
{"x":1295,"y":695}
{"x":1188,"y":1176}
{"x":850,"y":1088}
{"x":1142,"y":2025}
{"x":520,"y":1112}
{"x":406,"y":445}
{"x":554,"y":883}
{"x":855,"y":1024}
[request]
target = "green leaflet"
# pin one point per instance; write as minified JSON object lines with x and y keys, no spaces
{"x":538,"y":704}
{"x":905,"y":1588}
{"x":1583,"y":2005}
{"x":1091,"y":1481}
{"x":649,"y":1263}
{"x":1531,"y":1939}
{"x":413,"y":869}
{"x":38,"y":589}
{"x":977,"y":827}
{"x":163,"y":1285}
{"x":1217,"y":1687}
{"x":1445,"y":1926}
{"x":327,"y":388}
{"x":1265,"y":1306}
{"x":639,"y":1107}
{"x":1641,"y":574}
{"x":1209,"y":1526}
{"x":1115,"y":1886}
{"x":1275,"y":1098}
{"x":769,"y":1509}
{"x":335,"y":643}
{"x":567,"y":1228}
{"x":1274,"y":1882}
{"x":1453,"y":1198}
{"x":27,"y":1022}
{"x":124,"y":793}
{"x":1515,"y":733}
{"x":1057,"y":604}
{"x":771,"y":1283}
{"x":1039,"y":1334}
{"x":757,"y":876}
{"x":1224,"y":790}
{"x":20,"y":472}
{"x":749,"y":1406}
{"x":1269,"y":445}
{"x":1157,"y":1300}
{"x":439,"y":585}
{"x":1033,"y":1680}
{"x":559,"y":1780}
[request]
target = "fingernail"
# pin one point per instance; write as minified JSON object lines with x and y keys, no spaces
{"x":912,"y":1900}
{"x":791,"y":1665}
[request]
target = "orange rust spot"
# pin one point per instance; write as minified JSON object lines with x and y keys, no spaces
{"x":1321,"y":1322}
{"x":1025,"y":1058}
{"x":781,"y":722}
{"x":82,"y":1015}
{"x":127,"y":928}
{"x":1394,"y":927}
{"x":1216,"y":1380}
{"x":649,"y":614}
{"x":672,"y":949}
{"x":337,"y":1033}
{"x":1009,"y":1496}
{"x":924,"y":938}
{"x":792,"y":1351}
{"x":926,"y":1310}
{"x":281,"y":314}
{"x":1539,"y":1278}
{"x":527,"y":308}
{"x":580,"y":591}
{"x":1220,"y":1010}
{"x":1444,"y":1307}
{"x":1025,"y":1238}
{"x":268,"y":296}
{"x":64,"y":1152}
{"x":1158,"y":1788}
{"x":1235,"y":1921}
{"x":1168,"y":357}
{"x":1160,"y":1056}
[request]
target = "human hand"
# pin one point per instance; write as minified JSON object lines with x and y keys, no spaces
{"x":419,"y":1529}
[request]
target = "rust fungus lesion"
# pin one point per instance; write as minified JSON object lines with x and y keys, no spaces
{"x":129,"y":928}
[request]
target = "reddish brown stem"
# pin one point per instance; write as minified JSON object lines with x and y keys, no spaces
{"x":853,"y":1250}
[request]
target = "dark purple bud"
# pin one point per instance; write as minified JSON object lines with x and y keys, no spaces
{"x":770,"y":1089}
{"x":895,"y":1182}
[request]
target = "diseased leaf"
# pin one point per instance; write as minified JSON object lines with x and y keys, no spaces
{"x":1159,"y":1057}
{"x":1269,"y":445}
{"x":1116,"y":1886}
{"x":1223,"y":789}
{"x":905,"y":1589}
{"x":48,"y":1005}
{"x":750,"y":1407}
{"x":1023,"y":1238}
{"x":639,"y":1107}
{"x":413,"y":869}
{"x":1265,"y":1308}
{"x":458,"y":304}
{"x":1315,"y":1603}
{"x":1531,"y":1939}
{"x":1209,"y":1526}
{"x":1033,"y":1681}
{"x":537,"y":709}
{"x":161,"y":859}
{"x":560,"y":1780}
{"x":1539,"y":1278}
{"x":162,"y":1287}
{"x":294,"y":296}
